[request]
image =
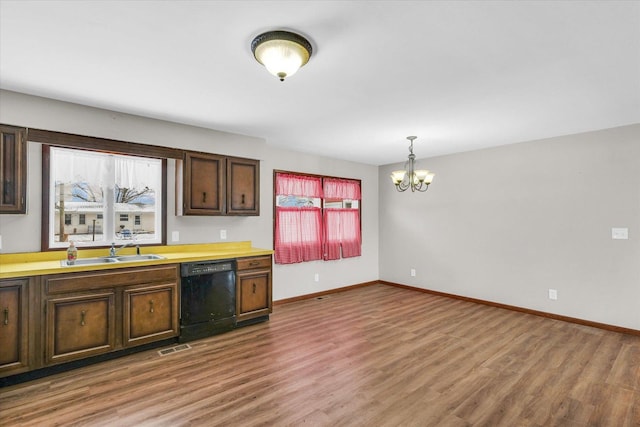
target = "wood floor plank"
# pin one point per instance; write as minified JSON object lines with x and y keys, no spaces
{"x":371,"y":356}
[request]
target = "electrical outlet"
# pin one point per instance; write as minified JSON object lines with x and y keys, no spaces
{"x":413,"y":272}
{"x":316,"y":277}
{"x":553,"y":294}
{"x":175,"y":236}
{"x":223,"y":234}
{"x":619,"y":233}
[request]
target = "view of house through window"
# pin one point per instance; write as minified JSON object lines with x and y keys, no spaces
{"x":100,"y":198}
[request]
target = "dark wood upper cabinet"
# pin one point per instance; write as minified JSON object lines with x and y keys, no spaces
{"x":210,"y":184}
{"x":13,"y":170}
{"x":243,"y":186}
{"x":203,"y":187}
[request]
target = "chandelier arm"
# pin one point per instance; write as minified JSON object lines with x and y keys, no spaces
{"x":421,"y":189}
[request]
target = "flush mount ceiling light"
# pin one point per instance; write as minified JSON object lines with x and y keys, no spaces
{"x":415,"y":179}
{"x":281,"y":52}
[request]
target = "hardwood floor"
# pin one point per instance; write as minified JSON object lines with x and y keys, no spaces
{"x":372,"y":356}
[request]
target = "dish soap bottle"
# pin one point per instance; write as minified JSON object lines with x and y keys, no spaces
{"x":72,"y":254}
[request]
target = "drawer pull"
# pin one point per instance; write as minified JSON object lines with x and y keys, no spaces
{"x":151,"y":306}
{"x":6,"y":316}
{"x":254,"y":288}
{"x":204,"y":197}
{"x":83,"y":313}
{"x":252,"y":263}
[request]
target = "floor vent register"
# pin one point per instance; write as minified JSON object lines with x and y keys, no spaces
{"x":175,"y":349}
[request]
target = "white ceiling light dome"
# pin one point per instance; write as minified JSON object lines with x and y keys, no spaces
{"x":281,"y":52}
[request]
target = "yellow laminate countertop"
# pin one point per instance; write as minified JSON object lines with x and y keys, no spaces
{"x":41,"y":263}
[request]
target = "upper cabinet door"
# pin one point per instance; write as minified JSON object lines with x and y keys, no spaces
{"x":13,"y":170}
{"x":209,"y":184}
{"x":204,"y":183}
{"x":243,"y":186}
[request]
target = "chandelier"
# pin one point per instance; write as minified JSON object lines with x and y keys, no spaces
{"x":410,"y":177}
{"x":281,"y":52}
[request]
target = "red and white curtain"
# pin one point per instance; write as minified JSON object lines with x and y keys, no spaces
{"x":302,"y":234}
{"x":298,"y":234}
{"x":298,"y":185}
{"x":342,"y":237}
{"x":342,"y":233}
{"x":345,"y":189}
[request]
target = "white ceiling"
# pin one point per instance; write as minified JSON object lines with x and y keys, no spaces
{"x":460,"y":75}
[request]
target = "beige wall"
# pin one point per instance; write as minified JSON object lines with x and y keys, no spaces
{"x":508,"y":223}
{"x":21,"y":233}
{"x":502,"y":224}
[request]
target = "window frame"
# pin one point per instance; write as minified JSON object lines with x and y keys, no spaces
{"x":87,"y":143}
{"x":322,"y":202}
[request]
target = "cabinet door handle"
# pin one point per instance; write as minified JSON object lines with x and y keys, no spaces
{"x":83,"y":313}
{"x":254,"y":288}
{"x":204,"y":197}
{"x":151,"y":306}
{"x":243,"y":199}
{"x":6,"y":316}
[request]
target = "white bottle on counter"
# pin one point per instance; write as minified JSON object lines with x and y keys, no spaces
{"x":72,"y":253}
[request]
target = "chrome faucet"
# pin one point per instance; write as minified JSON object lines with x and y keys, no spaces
{"x":113,"y":251}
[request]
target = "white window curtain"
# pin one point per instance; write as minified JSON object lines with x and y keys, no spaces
{"x":71,"y":166}
{"x":137,"y":173}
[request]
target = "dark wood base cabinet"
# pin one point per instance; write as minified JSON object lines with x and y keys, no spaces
{"x":253,"y":280}
{"x":151,"y":313}
{"x":14,"y":327}
{"x":94,"y":313}
{"x":49,"y":322}
{"x":61,"y":321}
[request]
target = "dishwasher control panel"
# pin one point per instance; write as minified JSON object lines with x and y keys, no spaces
{"x":198,"y":268}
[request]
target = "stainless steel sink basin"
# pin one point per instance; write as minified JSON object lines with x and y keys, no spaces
{"x":130,"y":258}
{"x":111,"y":259}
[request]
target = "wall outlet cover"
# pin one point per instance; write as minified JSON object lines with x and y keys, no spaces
{"x":620,"y":233}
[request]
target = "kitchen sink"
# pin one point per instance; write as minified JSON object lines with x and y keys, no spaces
{"x":111,"y":260}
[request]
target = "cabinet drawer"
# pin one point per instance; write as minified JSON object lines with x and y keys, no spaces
{"x":254,"y":263}
{"x":109,"y":279}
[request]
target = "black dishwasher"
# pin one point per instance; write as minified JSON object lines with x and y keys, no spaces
{"x":207,"y":298}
